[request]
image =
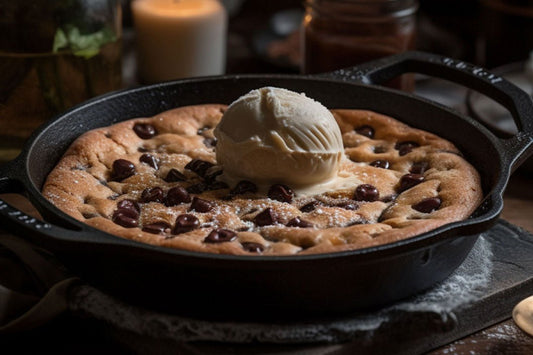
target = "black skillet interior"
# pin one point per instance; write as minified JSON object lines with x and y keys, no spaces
{"x":252,"y":288}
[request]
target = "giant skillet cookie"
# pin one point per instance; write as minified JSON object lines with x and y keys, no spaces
{"x":156,"y":180}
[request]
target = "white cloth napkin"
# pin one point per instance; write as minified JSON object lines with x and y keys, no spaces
{"x":35,"y":288}
{"x":467,"y":284}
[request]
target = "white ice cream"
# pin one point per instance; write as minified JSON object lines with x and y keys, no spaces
{"x":273,"y":135}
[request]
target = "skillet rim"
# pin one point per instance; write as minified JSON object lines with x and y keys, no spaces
{"x":428,"y":239}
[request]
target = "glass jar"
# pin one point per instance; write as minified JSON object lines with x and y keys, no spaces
{"x":343,"y":33}
{"x":53,"y":55}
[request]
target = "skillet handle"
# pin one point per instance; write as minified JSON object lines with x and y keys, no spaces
{"x":52,"y":237}
{"x":43,"y":234}
{"x":46,"y":235}
{"x":515,"y":149}
{"x":10,"y":179}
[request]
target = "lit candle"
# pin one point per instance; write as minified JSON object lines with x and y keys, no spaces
{"x":179,"y":38}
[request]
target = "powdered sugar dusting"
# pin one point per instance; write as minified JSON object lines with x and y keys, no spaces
{"x":465,"y":285}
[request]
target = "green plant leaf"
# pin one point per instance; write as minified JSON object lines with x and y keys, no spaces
{"x":82,"y":45}
{"x":87,"y":52}
{"x":60,"y":40}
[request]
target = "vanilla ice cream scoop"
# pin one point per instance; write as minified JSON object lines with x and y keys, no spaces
{"x":273,"y":135}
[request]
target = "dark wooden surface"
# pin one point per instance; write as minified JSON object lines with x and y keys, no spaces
{"x":503,"y":337}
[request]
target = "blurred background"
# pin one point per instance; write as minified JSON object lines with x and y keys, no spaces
{"x":489,"y":33}
{"x":78,"y":49}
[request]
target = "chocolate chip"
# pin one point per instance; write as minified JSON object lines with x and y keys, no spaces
{"x":199,"y":166}
{"x":309,"y":207}
{"x":220,"y":236}
{"x":128,"y":204}
{"x":347,"y":205}
{"x":265,"y":218}
{"x":142,"y":150}
{"x":380,"y":149}
{"x":144,"y":130}
{"x":150,"y":160}
{"x":253,"y":247}
{"x":154,"y":194}
{"x":201,"y":205}
{"x":211,"y":175}
{"x":405,"y":147}
{"x":185,"y":223}
{"x":176,"y":196}
{"x":124,"y":220}
{"x":197,"y":188}
{"x":388,"y":198}
{"x":129,"y":208}
{"x":366,"y":192}
{"x":174,"y":175}
{"x":122,"y":169}
{"x":217,"y":185}
{"x":428,"y":205}
{"x":210,"y":142}
{"x":383,"y":164}
{"x":300,"y":223}
{"x":242,"y":187}
{"x":356,"y":222}
{"x":419,"y":167}
{"x":409,"y":180}
{"x":281,"y":193}
{"x":125,"y":213}
{"x":366,"y":131}
{"x":157,"y":228}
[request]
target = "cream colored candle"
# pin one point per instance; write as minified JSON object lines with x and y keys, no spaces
{"x":179,"y":38}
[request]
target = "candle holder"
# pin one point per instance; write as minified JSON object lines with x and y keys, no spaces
{"x":179,"y":38}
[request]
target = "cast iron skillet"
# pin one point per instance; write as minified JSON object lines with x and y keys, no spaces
{"x":244,"y":287}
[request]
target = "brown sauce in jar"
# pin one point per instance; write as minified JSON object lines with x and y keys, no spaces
{"x":339,"y":34}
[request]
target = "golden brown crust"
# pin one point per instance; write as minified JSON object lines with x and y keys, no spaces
{"x":82,"y":186}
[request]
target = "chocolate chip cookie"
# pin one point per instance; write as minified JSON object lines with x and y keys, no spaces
{"x":155,"y":180}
